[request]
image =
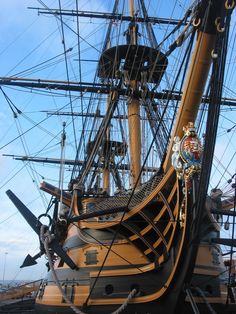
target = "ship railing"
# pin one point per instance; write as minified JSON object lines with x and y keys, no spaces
{"x":28,"y":289}
{"x":122,"y":199}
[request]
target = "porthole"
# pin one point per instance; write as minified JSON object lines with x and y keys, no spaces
{"x":109,"y":289}
{"x":209,"y":289}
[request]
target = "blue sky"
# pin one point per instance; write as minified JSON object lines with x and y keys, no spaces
{"x":27,"y":39}
{"x":16,"y":238}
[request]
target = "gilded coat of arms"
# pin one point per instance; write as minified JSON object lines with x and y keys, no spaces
{"x":187,"y":152}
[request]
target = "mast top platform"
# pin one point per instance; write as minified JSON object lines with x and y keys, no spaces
{"x":134,"y":59}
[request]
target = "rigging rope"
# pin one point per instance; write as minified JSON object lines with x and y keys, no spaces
{"x":67,"y":74}
{"x":216,"y":84}
{"x":104,"y":244}
{"x":111,"y":245}
{"x":42,"y":63}
{"x":185,"y":59}
{"x":62,"y":165}
{"x":123,"y":215}
{"x":36,"y":125}
{"x":46,"y":238}
{"x":128,"y":203}
{"x":56,"y":16}
{"x":232,"y":239}
{"x":80,"y":69}
{"x":210,"y":308}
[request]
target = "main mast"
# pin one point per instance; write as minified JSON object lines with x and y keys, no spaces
{"x":106,"y":172}
{"x":128,"y":66}
{"x":134,"y":112}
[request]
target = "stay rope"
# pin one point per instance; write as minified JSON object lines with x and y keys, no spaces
{"x":46,"y":238}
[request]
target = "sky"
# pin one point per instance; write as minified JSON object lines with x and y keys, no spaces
{"x":27,"y":39}
{"x":20,"y":31}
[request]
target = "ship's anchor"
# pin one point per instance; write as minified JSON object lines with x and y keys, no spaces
{"x":35,"y":224}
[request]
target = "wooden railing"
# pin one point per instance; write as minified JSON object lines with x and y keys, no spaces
{"x":20,"y":291}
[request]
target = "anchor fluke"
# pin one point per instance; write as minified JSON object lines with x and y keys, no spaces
{"x":36,"y":226}
{"x":29,"y":261}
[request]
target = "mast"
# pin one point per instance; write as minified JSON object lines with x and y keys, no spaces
{"x":197,"y":77}
{"x":106,"y":172}
{"x":134,"y":115}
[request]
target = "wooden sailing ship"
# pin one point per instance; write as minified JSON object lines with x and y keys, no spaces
{"x":153,"y":245}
